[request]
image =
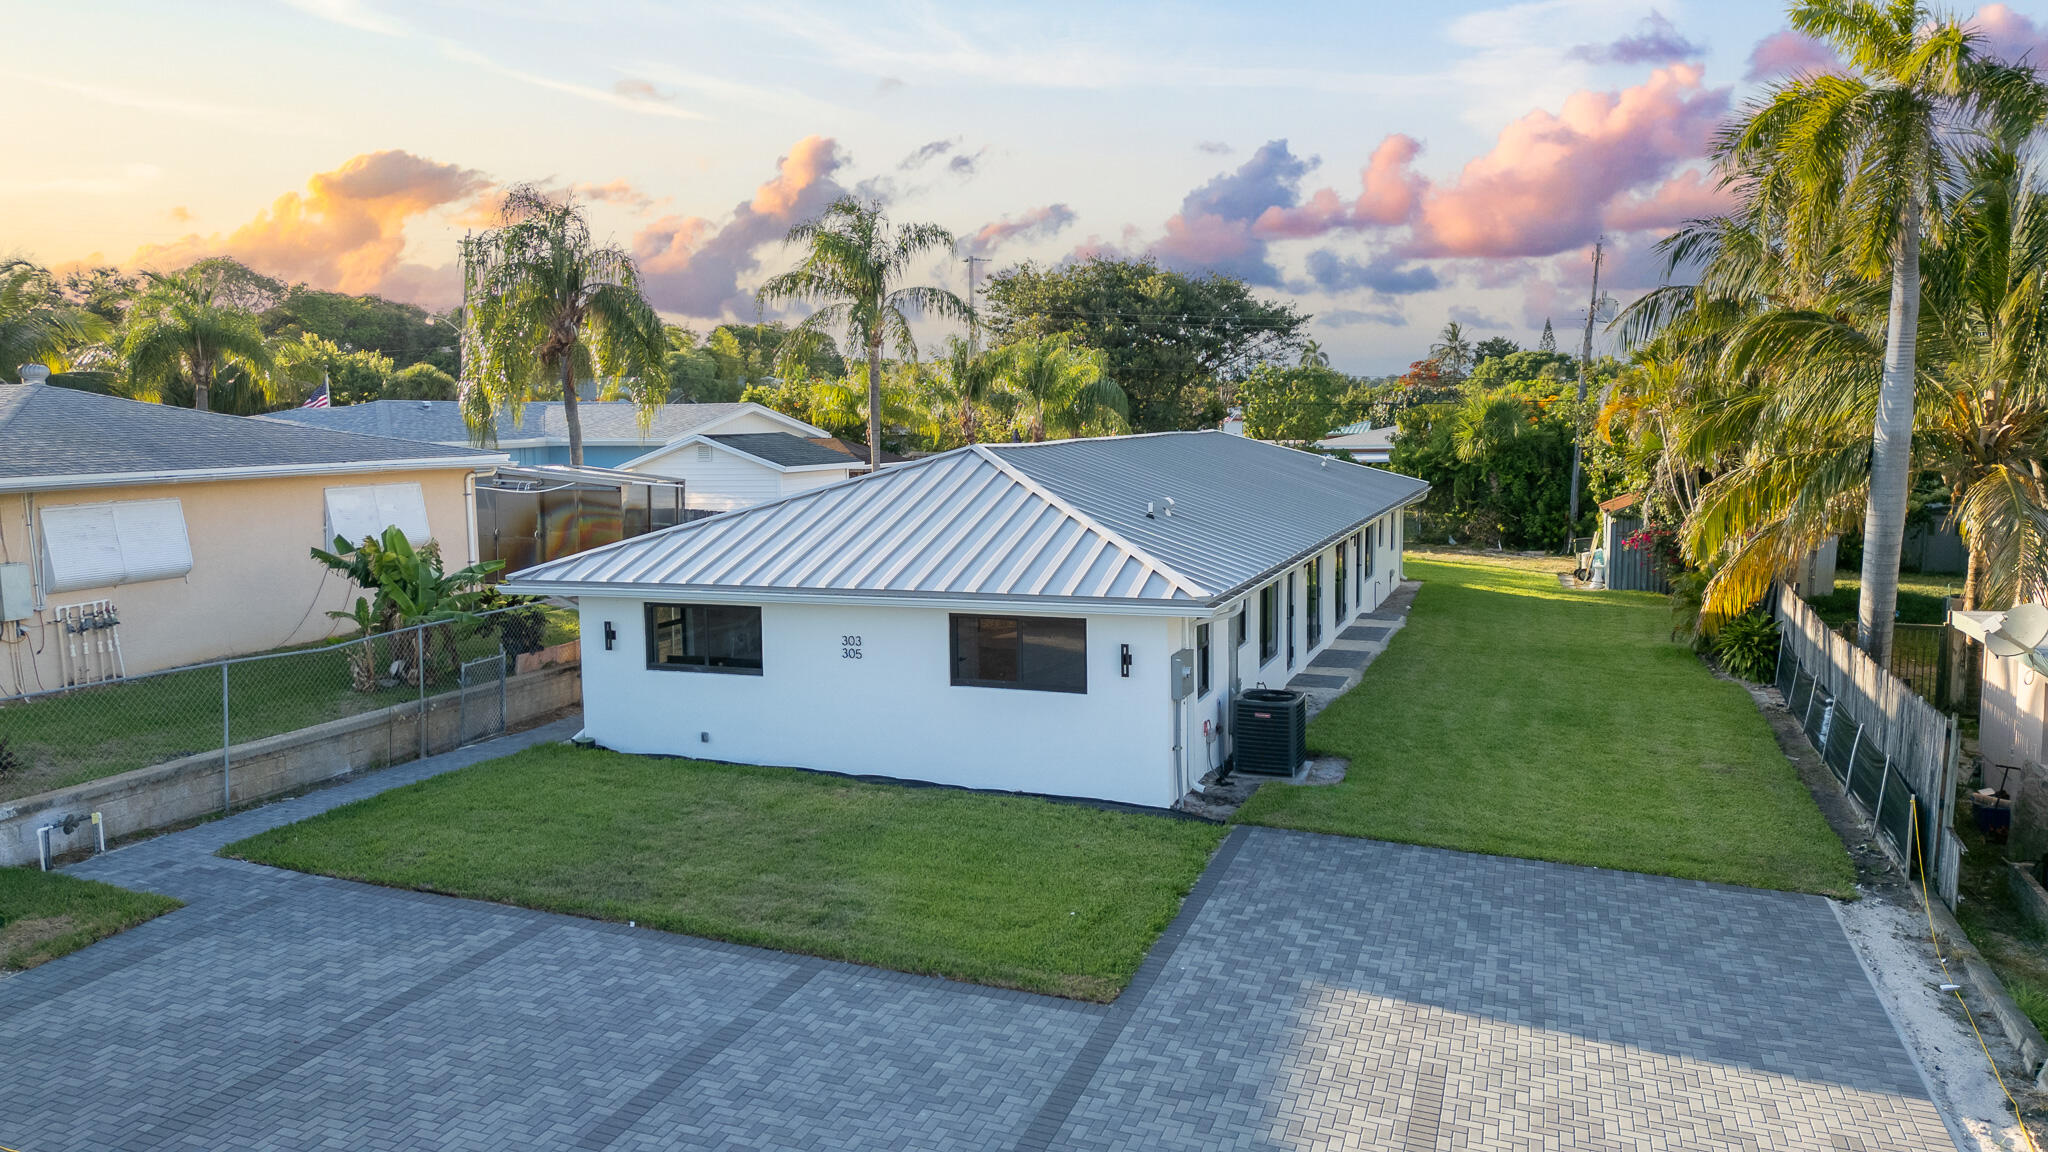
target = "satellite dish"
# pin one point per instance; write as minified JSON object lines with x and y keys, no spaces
{"x":34,"y":373}
{"x":2023,"y":630}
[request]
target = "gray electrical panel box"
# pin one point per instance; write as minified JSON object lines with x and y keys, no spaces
{"x":14,"y":593}
{"x":1182,"y":670}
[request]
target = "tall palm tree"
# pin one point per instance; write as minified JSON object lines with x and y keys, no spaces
{"x":183,"y":329}
{"x":852,"y":268}
{"x":1849,"y":165}
{"x":1313,"y":356}
{"x":1452,"y":351}
{"x":541,"y":300}
{"x":36,"y":325}
{"x":1052,"y":375}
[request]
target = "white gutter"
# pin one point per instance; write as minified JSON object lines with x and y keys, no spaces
{"x":959,"y":601}
{"x":258,"y":472}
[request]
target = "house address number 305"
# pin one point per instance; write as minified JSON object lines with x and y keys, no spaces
{"x":849,"y":647}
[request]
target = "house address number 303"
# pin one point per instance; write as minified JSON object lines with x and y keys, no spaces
{"x":849,"y":647}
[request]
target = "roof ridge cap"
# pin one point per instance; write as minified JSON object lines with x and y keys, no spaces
{"x":1104,"y":530}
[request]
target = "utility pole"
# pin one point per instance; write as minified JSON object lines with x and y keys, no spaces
{"x":1585,"y":369}
{"x":973,"y":318}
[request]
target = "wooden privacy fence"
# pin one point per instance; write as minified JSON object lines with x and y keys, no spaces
{"x":1887,"y":747}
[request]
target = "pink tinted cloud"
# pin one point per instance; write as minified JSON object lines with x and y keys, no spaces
{"x":1032,"y":224}
{"x":1686,"y":196}
{"x":346,"y":231}
{"x":1389,"y":193}
{"x":1549,"y":178}
{"x":691,"y":266}
{"x":2009,"y":35}
{"x":1788,"y":53}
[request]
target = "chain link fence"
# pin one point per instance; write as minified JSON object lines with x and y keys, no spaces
{"x":72,"y":735}
{"x":1891,"y":751}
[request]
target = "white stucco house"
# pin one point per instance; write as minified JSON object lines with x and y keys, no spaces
{"x":726,"y":470}
{"x":1000,"y":616}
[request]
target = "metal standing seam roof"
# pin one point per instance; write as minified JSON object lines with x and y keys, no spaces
{"x":1058,"y":522}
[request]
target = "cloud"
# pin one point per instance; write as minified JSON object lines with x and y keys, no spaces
{"x":925,"y":153}
{"x":1214,"y":147}
{"x":1545,"y":185}
{"x":346,"y":231}
{"x":1032,"y":224}
{"x":1213,"y":231}
{"x":636,"y":89}
{"x":1788,"y":53}
{"x":614,"y":192}
{"x":1473,"y":318}
{"x":1656,"y":41}
{"x":964,"y":165}
{"x":888,"y":86}
{"x":1389,"y":193}
{"x":2009,"y":35}
{"x":1383,"y":273}
{"x":180,"y":213}
{"x":1686,"y":196}
{"x":1390,"y":316}
{"x":693,"y":267}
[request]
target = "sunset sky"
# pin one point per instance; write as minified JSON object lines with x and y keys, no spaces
{"x":1388,"y":166}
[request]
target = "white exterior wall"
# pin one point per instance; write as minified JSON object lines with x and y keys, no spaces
{"x":2011,"y":713}
{"x":795,"y":482}
{"x":894,"y":711}
{"x":721,"y":483}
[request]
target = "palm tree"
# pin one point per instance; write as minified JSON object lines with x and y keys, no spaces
{"x":1452,"y":351}
{"x":852,"y":269}
{"x":1052,"y":375}
{"x":37,"y":326}
{"x":542,"y":299}
{"x":1848,"y":166}
{"x":971,"y":377}
{"x":1313,"y":356}
{"x":182,"y":328}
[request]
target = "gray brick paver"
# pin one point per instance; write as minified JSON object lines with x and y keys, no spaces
{"x":1324,"y":987}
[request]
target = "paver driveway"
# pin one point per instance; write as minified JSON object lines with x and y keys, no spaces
{"x":1316,"y":992}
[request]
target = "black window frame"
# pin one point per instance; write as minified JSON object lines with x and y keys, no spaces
{"x":1241,"y":625}
{"x":1024,"y":624}
{"x":655,"y":629}
{"x":1269,"y":623}
{"x":1340,"y":581}
{"x":1366,"y":552}
{"x":1291,"y":598}
{"x":1201,"y":659}
{"x":1312,"y":584}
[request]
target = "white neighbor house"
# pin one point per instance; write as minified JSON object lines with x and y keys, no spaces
{"x":1000,"y":616}
{"x":726,"y":470}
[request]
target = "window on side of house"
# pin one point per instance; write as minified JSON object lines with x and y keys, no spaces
{"x":1365,"y":551}
{"x":704,"y":638}
{"x":1342,"y":584}
{"x":1201,"y":659}
{"x":1240,"y":625}
{"x":1269,"y":622}
{"x":1313,"y":574}
{"x":1290,"y":619}
{"x":365,"y":510}
{"x":1034,"y":653}
{"x":105,"y":545}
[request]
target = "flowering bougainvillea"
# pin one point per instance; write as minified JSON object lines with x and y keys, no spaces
{"x":1659,"y":543}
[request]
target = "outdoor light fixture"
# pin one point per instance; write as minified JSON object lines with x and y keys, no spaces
{"x":610,"y":634}
{"x":1127,"y":661}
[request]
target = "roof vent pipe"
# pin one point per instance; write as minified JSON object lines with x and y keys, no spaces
{"x":1149,"y":506}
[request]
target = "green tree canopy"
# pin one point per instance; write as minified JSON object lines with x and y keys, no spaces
{"x":1170,"y":340}
{"x":405,"y":333}
{"x":1295,"y":405}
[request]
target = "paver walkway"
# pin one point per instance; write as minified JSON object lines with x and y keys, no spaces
{"x":1340,"y":666}
{"x":1316,"y":992}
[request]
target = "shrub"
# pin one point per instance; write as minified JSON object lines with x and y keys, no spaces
{"x":1748,"y":646}
{"x":2031,"y":1000}
{"x":9,"y":762}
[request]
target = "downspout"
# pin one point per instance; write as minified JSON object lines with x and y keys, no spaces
{"x":469,"y":510}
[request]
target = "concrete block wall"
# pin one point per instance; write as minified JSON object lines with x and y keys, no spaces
{"x":190,"y":787}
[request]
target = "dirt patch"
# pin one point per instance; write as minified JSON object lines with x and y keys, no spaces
{"x":20,"y":938}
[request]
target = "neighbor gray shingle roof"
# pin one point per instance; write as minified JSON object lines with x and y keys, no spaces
{"x":783,"y":448}
{"x":1058,"y":522}
{"x":53,"y":432}
{"x":440,"y":421}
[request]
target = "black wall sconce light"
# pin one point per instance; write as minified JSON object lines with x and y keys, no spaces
{"x":610,"y":635}
{"x":1127,"y":662}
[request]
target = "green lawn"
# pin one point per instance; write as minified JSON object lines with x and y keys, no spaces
{"x":74,"y":737}
{"x":1008,"y":891}
{"x":1516,"y":717}
{"x":1923,"y":598}
{"x":43,"y":915}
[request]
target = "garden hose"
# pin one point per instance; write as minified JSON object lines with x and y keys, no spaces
{"x":1913,"y":812}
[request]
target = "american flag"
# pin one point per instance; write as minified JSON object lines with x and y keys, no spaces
{"x":320,"y":399}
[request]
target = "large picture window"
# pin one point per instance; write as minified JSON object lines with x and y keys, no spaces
{"x":1036,"y":653}
{"x":704,"y":638}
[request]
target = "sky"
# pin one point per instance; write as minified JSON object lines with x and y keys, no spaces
{"x":1386,"y":167}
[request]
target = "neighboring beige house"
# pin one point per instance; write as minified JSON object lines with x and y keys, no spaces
{"x":135,"y":536}
{"x":722,"y":471}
